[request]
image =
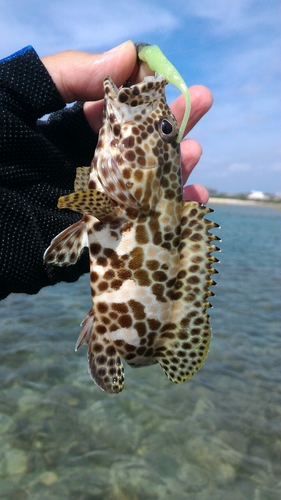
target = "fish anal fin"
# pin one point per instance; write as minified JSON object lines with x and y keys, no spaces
{"x":85,"y":334}
{"x":65,"y":249}
{"x":105,"y":365}
{"x":88,"y":202}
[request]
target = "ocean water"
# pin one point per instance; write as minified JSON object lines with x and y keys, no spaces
{"x":216,"y":437}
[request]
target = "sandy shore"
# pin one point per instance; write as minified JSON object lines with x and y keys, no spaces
{"x":237,"y":201}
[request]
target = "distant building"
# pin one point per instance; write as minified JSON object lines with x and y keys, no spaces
{"x":258,"y":196}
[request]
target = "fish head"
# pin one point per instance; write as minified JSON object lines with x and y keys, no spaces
{"x":137,"y":159}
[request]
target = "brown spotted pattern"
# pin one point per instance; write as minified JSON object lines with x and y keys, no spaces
{"x":82,"y":179}
{"x":83,"y":201}
{"x":150,"y":252}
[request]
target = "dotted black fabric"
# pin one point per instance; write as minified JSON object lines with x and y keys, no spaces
{"x":38,"y":159}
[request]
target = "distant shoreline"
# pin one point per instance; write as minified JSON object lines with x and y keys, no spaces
{"x":237,"y":201}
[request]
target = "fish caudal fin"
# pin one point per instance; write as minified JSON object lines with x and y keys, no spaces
{"x":105,"y":365}
{"x":88,"y":202}
{"x":66,"y":247}
{"x":183,"y":343}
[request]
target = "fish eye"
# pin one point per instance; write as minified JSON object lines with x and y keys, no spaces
{"x":167,"y":129}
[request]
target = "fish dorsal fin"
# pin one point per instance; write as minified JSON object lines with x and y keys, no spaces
{"x":89,"y":202}
{"x":82,"y":178}
{"x":183,"y":343}
{"x":65,"y":249}
{"x":105,"y":365}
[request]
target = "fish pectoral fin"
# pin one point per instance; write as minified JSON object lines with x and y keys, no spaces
{"x":82,"y":178}
{"x":65,"y":249}
{"x":88,"y":202}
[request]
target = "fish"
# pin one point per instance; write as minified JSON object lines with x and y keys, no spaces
{"x":151,"y":252}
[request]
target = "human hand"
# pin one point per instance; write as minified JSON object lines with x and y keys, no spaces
{"x":79,"y":76}
{"x":201,"y":101}
{"x":39,"y":159}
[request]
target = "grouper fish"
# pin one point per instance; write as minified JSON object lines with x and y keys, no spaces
{"x":150,"y":252}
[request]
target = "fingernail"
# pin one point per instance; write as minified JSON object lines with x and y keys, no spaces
{"x":120,"y":47}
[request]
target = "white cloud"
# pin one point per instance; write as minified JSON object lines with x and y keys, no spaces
{"x":238,"y":167}
{"x":105,"y":23}
{"x":275,"y":167}
{"x":229,"y":17}
{"x":217,"y":168}
{"x":52,"y":26}
{"x":232,"y":47}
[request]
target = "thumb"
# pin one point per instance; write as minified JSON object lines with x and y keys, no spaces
{"x":79,"y":76}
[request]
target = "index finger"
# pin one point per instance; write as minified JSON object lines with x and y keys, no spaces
{"x":201,"y":101}
{"x":79,"y":76}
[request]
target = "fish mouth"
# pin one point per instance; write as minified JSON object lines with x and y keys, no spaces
{"x":113,"y":183}
{"x":125,"y":102}
{"x":123,"y":108}
{"x":141,"y":68}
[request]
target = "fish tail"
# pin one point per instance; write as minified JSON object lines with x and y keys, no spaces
{"x":105,"y":365}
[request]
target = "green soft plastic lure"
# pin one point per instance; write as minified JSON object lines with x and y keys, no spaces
{"x":154,"y":57}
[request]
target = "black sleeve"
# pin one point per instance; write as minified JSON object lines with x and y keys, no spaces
{"x":38,"y":159}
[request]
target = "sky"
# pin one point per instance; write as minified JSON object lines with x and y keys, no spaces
{"x":231,"y":46}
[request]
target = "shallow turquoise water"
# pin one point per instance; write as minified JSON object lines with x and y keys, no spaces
{"x":215,"y":437}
